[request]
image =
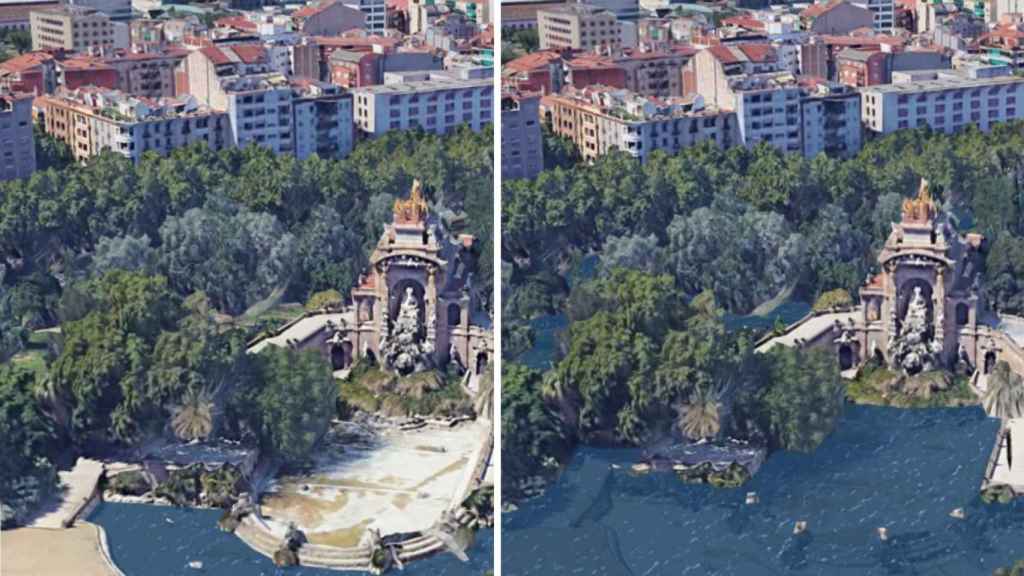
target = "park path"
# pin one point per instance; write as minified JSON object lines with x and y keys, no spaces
{"x":79,"y":487}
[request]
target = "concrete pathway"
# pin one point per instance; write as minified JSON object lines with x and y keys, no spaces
{"x":79,"y":483}
{"x":1009,"y":467}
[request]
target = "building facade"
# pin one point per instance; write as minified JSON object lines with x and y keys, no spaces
{"x":944,"y":100}
{"x":577,"y":26}
{"x":601,"y":119}
{"x":436,"y":105}
{"x":376,"y":12}
{"x":884,"y":12}
{"x":328,"y":18}
{"x":92,"y":120}
{"x":17,"y":142}
{"x":74,"y":28}
{"x":522,"y":145}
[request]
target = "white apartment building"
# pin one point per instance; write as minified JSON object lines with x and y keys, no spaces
{"x":436,"y":105}
{"x":264,"y":107}
{"x":92,"y":119}
{"x":768,"y":110}
{"x":323,"y":121}
{"x":884,"y":12}
{"x":599,"y":119}
{"x":944,"y":100}
{"x":831,"y":120}
{"x":17,"y":143}
{"x":771,"y":106}
{"x":376,"y":12}
{"x":522,"y":146}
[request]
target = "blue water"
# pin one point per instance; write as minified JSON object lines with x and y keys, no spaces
{"x":901,"y":469}
{"x":143,"y":542}
{"x":788,"y":312}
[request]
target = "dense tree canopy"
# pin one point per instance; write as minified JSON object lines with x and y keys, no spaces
{"x":240,"y":222}
{"x":747,"y":223}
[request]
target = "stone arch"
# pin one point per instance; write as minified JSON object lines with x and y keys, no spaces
{"x":990,"y":361}
{"x":481,"y":362}
{"x":906,"y":292}
{"x":454,"y":314}
{"x":398,"y":294}
{"x":963,"y":314}
{"x":845,"y":357}
{"x":341,"y":356}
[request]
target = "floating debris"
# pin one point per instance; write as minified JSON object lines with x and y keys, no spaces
{"x":641,"y":468}
{"x":883,"y":533}
{"x":958,"y":513}
{"x":195,"y":565}
{"x":753,"y":498}
{"x":168,"y":520}
{"x":800,"y":527}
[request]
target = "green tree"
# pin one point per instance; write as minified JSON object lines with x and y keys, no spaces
{"x":295,"y":400}
{"x":1004,"y":397}
{"x":530,"y":430}
{"x":803,"y":398}
{"x":29,"y":437}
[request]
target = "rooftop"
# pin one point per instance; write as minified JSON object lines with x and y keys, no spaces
{"x":20,"y":10}
{"x":423,"y":86}
{"x":942,"y":80}
{"x":756,"y":53}
{"x":125,"y":108}
{"x":238,"y":53}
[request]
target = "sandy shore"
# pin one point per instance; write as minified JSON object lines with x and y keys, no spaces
{"x":48,"y":552}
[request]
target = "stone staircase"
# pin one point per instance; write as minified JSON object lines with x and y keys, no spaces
{"x":260,"y":539}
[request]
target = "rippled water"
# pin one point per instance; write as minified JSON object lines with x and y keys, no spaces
{"x":905,"y":470}
{"x":158,"y":540}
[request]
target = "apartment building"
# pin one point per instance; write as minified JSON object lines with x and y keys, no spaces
{"x":884,"y":12}
{"x":830,"y":119}
{"x":17,"y":142}
{"x":15,"y":15}
{"x":92,"y":119}
{"x":577,"y":26}
{"x":599,"y":119}
{"x":518,"y":15}
{"x":944,"y":100}
{"x":522,"y":146}
{"x":117,"y":10}
{"x":150,"y":74}
{"x":376,"y":12}
{"x":75,"y":28}
{"x":435,"y":105}
{"x":322,"y":120}
{"x":835,"y":17}
{"x":773,"y":105}
{"x":265,"y":108}
{"x":328,"y":18}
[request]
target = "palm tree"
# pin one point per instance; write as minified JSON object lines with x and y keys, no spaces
{"x":1004,"y":397}
{"x":701,"y":417}
{"x":193,"y":418}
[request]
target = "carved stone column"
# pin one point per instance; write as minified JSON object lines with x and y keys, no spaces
{"x":940,"y":306}
{"x":431,"y":304}
{"x":384,"y":301}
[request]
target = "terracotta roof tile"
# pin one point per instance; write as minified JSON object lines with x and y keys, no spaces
{"x":815,"y":10}
{"x":312,"y":9}
{"x":25,"y":62}
{"x":532,"y":61}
